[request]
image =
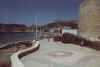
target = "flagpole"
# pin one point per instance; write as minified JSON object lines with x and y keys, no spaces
{"x":36,"y":25}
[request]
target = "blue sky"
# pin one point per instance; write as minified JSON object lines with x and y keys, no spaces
{"x":24,"y":11}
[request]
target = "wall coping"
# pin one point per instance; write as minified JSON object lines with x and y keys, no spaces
{"x":15,"y":60}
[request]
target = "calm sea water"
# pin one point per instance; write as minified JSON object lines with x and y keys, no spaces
{"x":16,"y":36}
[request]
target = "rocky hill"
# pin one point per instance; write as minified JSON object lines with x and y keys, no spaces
{"x":13,"y":28}
{"x":24,"y":28}
{"x":72,"y":24}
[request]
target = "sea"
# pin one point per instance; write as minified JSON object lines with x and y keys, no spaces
{"x":9,"y":37}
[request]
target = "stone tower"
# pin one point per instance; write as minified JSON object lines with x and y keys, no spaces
{"x":89,"y":19}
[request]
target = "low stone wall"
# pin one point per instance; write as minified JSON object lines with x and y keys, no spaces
{"x":15,"y":58}
{"x":80,"y":41}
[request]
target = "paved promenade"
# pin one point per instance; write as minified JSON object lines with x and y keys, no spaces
{"x":56,"y":54}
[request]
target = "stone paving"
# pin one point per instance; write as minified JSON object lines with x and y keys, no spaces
{"x":80,"y":56}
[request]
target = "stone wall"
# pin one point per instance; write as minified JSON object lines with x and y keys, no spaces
{"x":89,"y":19}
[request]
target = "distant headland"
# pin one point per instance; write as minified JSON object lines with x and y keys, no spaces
{"x":24,"y":28}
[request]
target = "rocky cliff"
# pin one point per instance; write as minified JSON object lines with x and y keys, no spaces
{"x":89,"y":18}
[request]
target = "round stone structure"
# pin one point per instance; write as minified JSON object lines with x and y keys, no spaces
{"x":60,"y":54}
{"x":89,"y":19}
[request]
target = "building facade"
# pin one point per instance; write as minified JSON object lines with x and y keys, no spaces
{"x":89,"y":19}
{"x":69,"y":30}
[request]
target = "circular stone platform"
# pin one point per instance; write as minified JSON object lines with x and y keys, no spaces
{"x":60,"y":54}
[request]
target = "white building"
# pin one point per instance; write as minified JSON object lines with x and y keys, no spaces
{"x":54,"y":30}
{"x":69,"y":30}
{"x":64,"y":30}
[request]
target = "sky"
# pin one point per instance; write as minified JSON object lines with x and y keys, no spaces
{"x":46,"y":11}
